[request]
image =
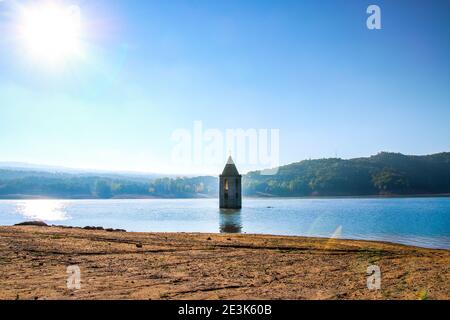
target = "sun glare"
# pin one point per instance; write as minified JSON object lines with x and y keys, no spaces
{"x":43,"y":210}
{"x":51,"y":33}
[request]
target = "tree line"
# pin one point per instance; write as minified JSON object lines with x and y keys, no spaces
{"x":382,"y":174}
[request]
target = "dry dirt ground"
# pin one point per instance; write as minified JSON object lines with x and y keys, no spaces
{"x":117,"y":265}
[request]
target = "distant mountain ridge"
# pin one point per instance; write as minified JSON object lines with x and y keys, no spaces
{"x":24,"y":166}
{"x":382,"y":174}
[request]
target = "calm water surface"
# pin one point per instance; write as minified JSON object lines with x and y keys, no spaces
{"x":422,"y":222}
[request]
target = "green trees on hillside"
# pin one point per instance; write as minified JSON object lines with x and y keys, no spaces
{"x":75,"y":186}
{"x":382,"y":174}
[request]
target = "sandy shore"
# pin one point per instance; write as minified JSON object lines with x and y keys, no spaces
{"x":118,"y":265}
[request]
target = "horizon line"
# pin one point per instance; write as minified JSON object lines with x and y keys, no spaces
{"x":60,"y":168}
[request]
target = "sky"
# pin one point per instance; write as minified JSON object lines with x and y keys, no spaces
{"x":138,"y":71}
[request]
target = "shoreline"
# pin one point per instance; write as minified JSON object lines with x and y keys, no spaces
{"x":268,"y":197}
{"x":99,"y":228}
{"x":129,"y":265}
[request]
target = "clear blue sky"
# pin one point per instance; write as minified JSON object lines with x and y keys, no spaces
{"x":309,"y":68}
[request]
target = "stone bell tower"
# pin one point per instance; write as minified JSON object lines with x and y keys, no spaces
{"x":230,"y":187}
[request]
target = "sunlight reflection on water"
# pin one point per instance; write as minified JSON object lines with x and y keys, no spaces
{"x":44,"y":210}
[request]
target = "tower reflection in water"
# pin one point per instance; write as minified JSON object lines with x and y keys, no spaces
{"x":230,"y":221}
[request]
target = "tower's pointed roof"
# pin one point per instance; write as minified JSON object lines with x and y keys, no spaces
{"x":230,"y":168}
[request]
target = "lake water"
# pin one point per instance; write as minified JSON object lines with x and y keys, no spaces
{"x":422,"y":222}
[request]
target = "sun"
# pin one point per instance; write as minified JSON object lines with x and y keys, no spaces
{"x":50,"y":32}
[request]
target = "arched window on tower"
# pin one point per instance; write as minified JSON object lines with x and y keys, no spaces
{"x":225,"y":187}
